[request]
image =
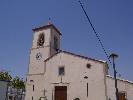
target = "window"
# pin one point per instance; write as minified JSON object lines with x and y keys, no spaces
{"x":32,"y":97}
{"x":61,"y":71}
{"x":88,"y":66}
{"x":87,"y":89}
{"x":10,"y":97}
{"x":55,"y":43}
{"x":31,"y":81}
{"x":40,"y":41}
{"x":121,"y":96}
{"x":33,"y":87}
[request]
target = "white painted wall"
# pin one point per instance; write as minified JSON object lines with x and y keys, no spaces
{"x":47,"y":50}
{"x":3,"y":90}
{"x":36,"y":67}
{"x":123,"y":86}
{"x":75,"y":70}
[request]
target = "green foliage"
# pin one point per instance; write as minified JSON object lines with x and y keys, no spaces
{"x":18,"y":83}
{"x":14,"y":82}
{"x":5,"y":76}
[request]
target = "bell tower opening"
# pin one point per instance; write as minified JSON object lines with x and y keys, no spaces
{"x":41,"y":40}
{"x":56,"y":43}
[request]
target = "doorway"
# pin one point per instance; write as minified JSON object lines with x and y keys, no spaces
{"x":121,"y":96}
{"x":60,"y":93}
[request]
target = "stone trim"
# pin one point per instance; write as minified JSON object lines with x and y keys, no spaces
{"x":35,"y":74}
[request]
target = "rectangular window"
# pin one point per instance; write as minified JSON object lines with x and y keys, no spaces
{"x":61,"y":71}
{"x":87,"y":89}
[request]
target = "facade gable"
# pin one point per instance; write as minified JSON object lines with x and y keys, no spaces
{"x":75,"y":75}
{"x":76,"y":55}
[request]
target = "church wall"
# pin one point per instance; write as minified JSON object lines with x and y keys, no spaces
{"x":43,"y":74}
{"x":37,"y":66}
{"x":38,"y":82}
{"x":54,"y":33}
{"x":123,"y":86}
{"x":75,"y":71}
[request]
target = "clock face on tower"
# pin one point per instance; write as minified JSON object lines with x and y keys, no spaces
{"x":38,"y":56}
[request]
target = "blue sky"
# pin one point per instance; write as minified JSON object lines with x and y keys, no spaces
{"x":111,"y":18}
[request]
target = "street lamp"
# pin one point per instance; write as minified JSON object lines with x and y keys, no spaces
{"x":114,"y":56}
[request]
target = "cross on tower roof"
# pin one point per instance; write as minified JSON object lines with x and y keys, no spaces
{"x":49,"y":21}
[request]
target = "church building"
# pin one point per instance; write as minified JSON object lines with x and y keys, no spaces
{"x":54,"y":74}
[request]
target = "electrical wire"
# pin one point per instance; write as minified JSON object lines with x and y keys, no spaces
{"x":97,"y":36}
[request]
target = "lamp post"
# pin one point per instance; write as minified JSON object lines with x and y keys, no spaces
{"x":114,"y":56}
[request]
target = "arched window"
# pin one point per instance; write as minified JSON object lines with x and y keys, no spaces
{"x":40,"y":41}
{"x":55,"y":43}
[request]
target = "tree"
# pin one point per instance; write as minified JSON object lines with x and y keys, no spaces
{"x":5,"y":76}
{"x":18,"y":83}
{"x":15,"y":83}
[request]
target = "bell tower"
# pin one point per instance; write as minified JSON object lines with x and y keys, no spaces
{"x":46,"y":42}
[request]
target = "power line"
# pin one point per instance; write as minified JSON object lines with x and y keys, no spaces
{"x":104,"y":50}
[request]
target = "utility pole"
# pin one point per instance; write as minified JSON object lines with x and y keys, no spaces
{"x":114,"y":56}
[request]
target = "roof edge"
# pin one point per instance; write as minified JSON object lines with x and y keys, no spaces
{"x":5,"y":81}
{"x":101,"y":61}
{"x":46,"y":26}
{"x":120,"y":79}
{"x":84,"y":57}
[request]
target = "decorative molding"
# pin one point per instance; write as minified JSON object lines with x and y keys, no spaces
{"x":35,"y":74}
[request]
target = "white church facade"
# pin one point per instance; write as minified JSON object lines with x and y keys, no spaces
{"x":54,"y":74}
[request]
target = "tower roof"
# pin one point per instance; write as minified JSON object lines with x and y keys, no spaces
{"x":50,"y":25}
